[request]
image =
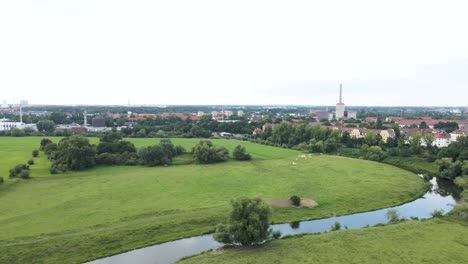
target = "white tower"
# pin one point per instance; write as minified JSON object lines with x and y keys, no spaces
{"x":85,"y":114}
{"x":21,"y":113}
{"x":340,"y":106}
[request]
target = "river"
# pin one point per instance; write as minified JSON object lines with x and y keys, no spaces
{"x":442,"y":196}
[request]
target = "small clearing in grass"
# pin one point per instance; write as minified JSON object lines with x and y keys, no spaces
{"x":307,"y":203}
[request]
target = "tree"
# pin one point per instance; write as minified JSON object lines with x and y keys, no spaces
{"x":110,"y":137}
{"x":44,"y":143}
{"x":375,"y":153}
{"x":370,"y":139}
{"x":75,"y":153}
{"x":240,"y":153}
{"x":282,"y":132}
{"x":423,"y":125}
{"x":378,"y":123}
{"x":45,"y":126}
{"x":206,"y":152}
{"x":415,"y":143}
{"x":249,"y":223}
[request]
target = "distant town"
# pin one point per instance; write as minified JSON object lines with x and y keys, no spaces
{"x":445,"y":124}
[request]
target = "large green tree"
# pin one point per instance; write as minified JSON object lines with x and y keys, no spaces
{"x":76,"y":153}
{"x":249,"y":223}
{"x":45,"y":126}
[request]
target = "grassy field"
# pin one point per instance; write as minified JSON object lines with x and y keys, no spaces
{"x":84,"y":215}
{"x":432,"y":241}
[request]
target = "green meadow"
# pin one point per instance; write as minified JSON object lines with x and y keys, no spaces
{"x":80,"y":216}
{"x":432,"y":241}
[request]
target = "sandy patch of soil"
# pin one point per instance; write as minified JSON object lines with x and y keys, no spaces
{"x":308,"y":203}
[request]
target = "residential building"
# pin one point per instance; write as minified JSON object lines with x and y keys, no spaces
{"x":441,"y":140}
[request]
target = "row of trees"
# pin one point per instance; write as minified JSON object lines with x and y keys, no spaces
{"x":206,"y":152}
{"x":77,"y":153}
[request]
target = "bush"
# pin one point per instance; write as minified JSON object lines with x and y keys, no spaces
{"x":437,"y":213}
{"x":460,"y":212}
{"x":206,"y":152}
{"x":44,"y":142}
{"x":275,"y":234}
{"x":180,"y":150}
{"x":240,"y":153}
{"x":16,"y":171}
{"x":24,"y":174}
{"x":57,"y":168}
{"x":336,"y":226}
{"x":35,"y":153}
{"x":296,"y":200}
{"x":106,"y":159}
{"x":31,"y":162}
{"x":392,"y":216}
{"x":1,"y":180}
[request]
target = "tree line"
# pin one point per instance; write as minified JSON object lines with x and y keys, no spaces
{"x":77,"y":153}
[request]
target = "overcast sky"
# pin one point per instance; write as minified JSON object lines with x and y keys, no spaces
{"x":234,"y":52}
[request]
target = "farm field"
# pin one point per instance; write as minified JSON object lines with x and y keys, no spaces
{"x":431,"y":241}
{"x":79,"y":216}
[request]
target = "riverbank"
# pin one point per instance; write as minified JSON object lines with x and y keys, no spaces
{"x":420,"y":241}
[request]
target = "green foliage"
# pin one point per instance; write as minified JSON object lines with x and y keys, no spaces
{"x":112,"y":150}
{"x":248,"y":223}
{"x":462,"y":182}
{"x":16,"y":132}
{"x":275,"y":234}
{"x":18,"y":169}
{"x":156,"y":155}
{"x":437,"y":213}
{"x":179,"y":150}
{"x":296,"y":200}
{"x":50,"y":150}
{"x":44,"y":143}
{"x":449,"y":169}
{"x":31,"y":162}
{"x":392,"y":215}
{"x":47,"y":126}
{"x":375,"y":153}
{"x":75,"y":153}
{"x":206,"y":152}
{"x":110,"y":137}
{"x":370,"y":139}
{"x":24,"y":174}
{"x":448,"y":126}
{"x":460,"y":212}
{"x":1,"y":180}
{"x":240,"y":153}
{"x":223,"y":234}
{"x":336,"y":226}
{"x":35,"y":153}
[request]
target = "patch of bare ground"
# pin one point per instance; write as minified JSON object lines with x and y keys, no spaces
{"x":306,"y":203}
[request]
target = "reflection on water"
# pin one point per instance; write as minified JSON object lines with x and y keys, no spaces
{"x":443,"y":196}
